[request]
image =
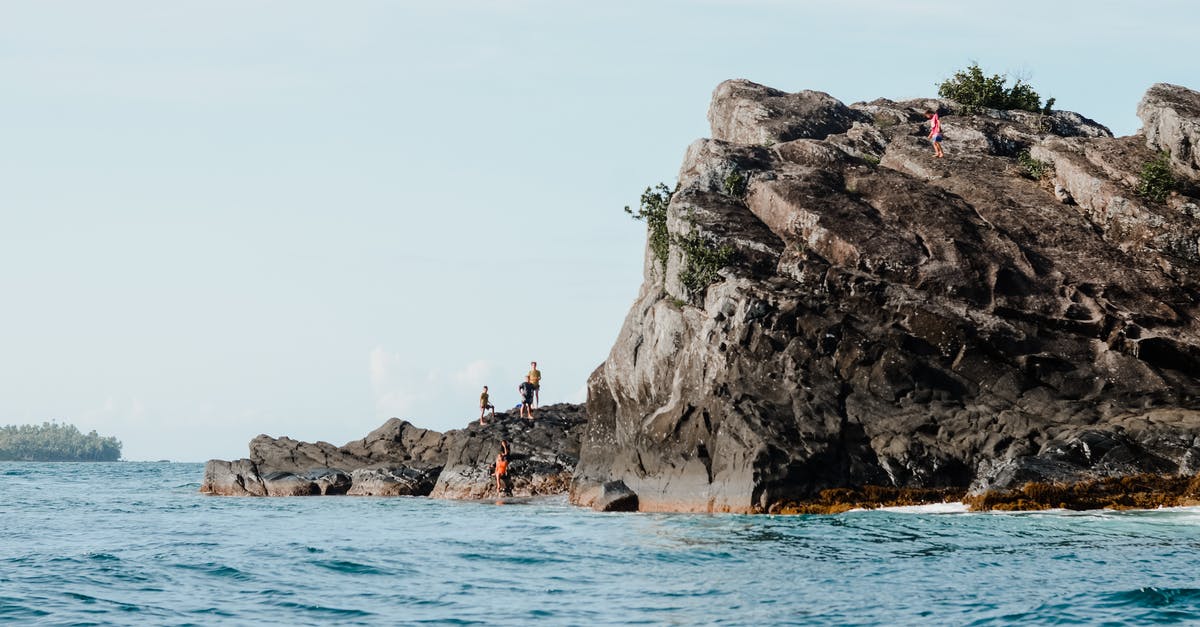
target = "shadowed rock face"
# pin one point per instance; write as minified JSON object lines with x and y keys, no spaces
{"x":544,"y":454}
{"x":399,"y":459}
{"x":899,"y":320}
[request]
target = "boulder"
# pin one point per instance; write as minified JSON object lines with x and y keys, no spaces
{"x":393,"y":481}
{"x":236,"y":478}
{"x":615,"y":496}
{"x":280,"y":483}
{"x":330,"y":481}
{"x":743,"y":112}
{"x":1170,"y":117}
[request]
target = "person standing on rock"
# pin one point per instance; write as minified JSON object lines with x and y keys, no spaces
{"x":535,"y":377}
{"x":935,"y":132}
{"x":527,"y":390}
{"x":485,"y":405}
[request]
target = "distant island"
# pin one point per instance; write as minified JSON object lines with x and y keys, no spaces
{"x":54,"y":442}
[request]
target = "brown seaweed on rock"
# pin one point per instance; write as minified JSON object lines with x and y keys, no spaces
{"x":1146,"y":491}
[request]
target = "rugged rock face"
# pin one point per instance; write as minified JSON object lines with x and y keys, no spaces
{"x":1171,"y":122}
{"x":399,"y":459}
{"x":544,"y":455}
{"x":893,"y":319}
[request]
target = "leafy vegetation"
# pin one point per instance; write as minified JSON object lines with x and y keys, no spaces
{"x":1032,"y":168}
{"x":653,"y":211}
{"x":703,"y":259}
{"x":1156,"y":181}
{"x":975,"y":91}
{"x":735,"y":184}
{"x":53,"y":442}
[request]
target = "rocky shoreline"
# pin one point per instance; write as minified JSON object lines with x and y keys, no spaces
{"x":1013,"y":326}
{"x":399,"y":459}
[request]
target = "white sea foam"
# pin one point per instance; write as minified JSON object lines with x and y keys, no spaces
{"x":928,"y":508}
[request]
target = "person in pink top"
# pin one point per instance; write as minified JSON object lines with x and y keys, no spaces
{"x":935,"y":133}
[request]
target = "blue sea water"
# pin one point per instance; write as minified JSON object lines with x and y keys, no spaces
{"x":134,"y":543}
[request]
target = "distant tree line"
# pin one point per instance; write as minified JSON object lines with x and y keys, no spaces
{"x":53,"y":442}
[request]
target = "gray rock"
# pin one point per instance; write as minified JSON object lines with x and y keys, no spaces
{"x":330,"y":482}
{"x":743,"y":112}
{"x":615,"y":496}
{"x":393,"y":481}
{"x":545,"y":452}
{"x":279,"y":483}
{"x":236,"y":478}
{"x":1170,"y":117}
{"x":399,"y":459}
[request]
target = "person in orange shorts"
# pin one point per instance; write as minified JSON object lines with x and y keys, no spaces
{"x":503,"y":488}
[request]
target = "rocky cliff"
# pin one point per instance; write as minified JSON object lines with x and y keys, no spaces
{"x":1013,"y":313}
{"x":399,"y":459}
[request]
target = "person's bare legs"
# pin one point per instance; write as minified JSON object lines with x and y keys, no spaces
{"x":536,"y":398}
{"x":937,"y":150}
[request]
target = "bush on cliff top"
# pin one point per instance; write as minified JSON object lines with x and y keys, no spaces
{"x":975,"y":91}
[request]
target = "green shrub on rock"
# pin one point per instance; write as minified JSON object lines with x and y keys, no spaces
{"x":1033,"y":168}
{"x":653,"y":211}
{"x":735,"y":184}
{"x":1156,"y":180}
{"x":702,"y":260}
{"x":975,"y":91}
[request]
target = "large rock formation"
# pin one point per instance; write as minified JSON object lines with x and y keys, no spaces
{"x":399,"y":459}
{"x":543,"y":459}
{"x":1014,"y":312}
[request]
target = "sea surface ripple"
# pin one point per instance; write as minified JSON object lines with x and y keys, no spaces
{"x":134,"y":543}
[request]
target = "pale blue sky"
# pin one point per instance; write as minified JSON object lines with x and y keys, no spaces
{"x":300,"y":218}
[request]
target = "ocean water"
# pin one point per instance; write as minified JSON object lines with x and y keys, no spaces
{"x":134,"y":543}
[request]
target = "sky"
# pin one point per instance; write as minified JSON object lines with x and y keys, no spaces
{"x":220,"y":219}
